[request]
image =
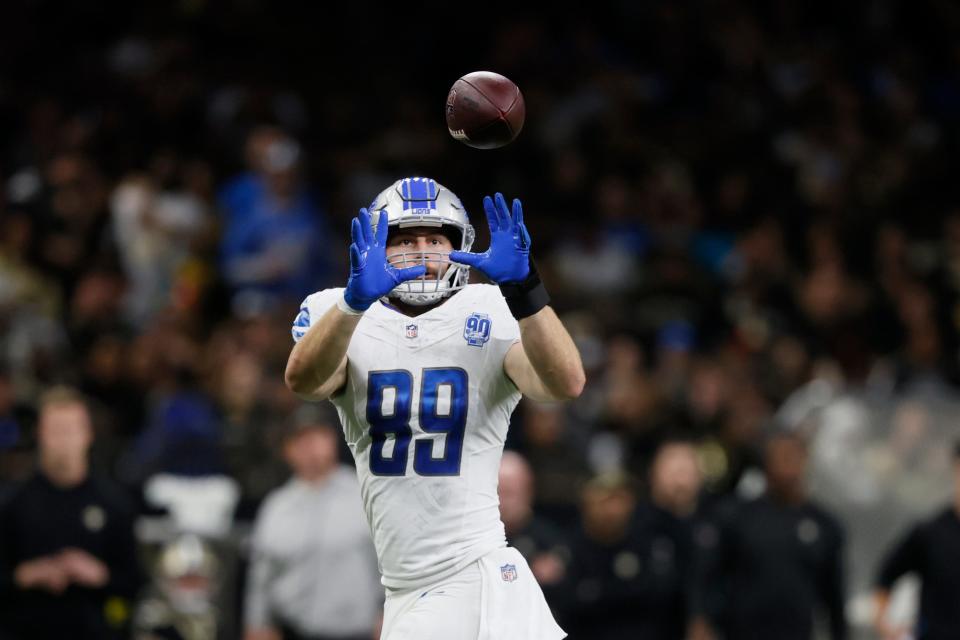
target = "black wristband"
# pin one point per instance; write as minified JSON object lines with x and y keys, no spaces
{"x":526,"y":297}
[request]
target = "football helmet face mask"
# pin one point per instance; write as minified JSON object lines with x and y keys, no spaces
{"x":423,"y":202}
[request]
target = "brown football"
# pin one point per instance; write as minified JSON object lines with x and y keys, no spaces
{"x":485,"y":110}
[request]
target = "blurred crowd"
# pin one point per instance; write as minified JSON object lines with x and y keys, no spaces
{"x":745,"y":213}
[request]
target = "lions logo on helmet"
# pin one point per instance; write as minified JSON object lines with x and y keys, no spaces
{"x":423,"y":202}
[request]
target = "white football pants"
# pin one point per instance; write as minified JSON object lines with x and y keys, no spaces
{"x":494,"y":598}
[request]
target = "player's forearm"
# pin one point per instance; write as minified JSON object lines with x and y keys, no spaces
{"x":552,"y":354}
{"x":315,"y":364}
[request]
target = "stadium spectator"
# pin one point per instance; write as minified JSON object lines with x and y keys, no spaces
{"x":313,"y":570}
{"x":68,"y":562}
{"x":185,"y":599}
{"x":251,"y":427}
{"x":557,"y":459}
{"x":537,"y":539}
{"x":622,"y":570}
{"x":670,"y":519}
{"x":30,"y":301}
{"x":772,"y":563}
{"x":667,"y":521}
{"x":182,"y":435}
{"x":158,"y":218}
{"x":931,"y":550}
{"x":273,"y":230}
{"x":16,"y":458}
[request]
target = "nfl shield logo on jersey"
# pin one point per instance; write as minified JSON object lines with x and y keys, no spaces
{"x":411,"y":331}
{"x":476,"y":330}
{"x":508,"y":572}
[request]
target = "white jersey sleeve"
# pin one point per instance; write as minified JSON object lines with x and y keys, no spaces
{"x":312,"y":309}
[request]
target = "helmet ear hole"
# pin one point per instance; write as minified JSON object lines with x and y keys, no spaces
{"x":453,"y":235}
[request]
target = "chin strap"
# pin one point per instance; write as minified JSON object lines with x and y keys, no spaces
{"x":417,"y":298}
{"x":421,"y":302}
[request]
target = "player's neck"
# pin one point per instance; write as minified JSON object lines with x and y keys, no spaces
{"x":413,"y":310}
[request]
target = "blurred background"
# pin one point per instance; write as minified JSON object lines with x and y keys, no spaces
{"x":747,"y":215}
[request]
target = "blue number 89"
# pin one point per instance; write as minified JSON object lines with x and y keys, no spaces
{"x":443,"y":410}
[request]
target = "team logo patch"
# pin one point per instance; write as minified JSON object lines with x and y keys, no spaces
{"x":476,"y":330}
{"x":301,"y":324}
{"x":94,"y":517}
{"x":412,"y":331}
{"x":419,"y":196}
{"x":508,"y":572}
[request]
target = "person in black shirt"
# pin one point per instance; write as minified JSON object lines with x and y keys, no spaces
{"x":769,"y":564}
{"x":629,"y":563}
{"x":597,"y":598}
{"x":931,"y":550}
{"x":68,"y":564}
{"x":537,"y":539}
{"x":669,"y":519}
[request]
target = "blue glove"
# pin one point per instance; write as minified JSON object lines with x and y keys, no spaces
{"x":371,"y":276}
{"x":508,"y":258}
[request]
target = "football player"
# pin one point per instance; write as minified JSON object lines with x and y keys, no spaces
{"x":424,"y":371}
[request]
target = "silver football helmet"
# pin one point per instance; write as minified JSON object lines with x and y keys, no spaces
{"x":423,"y":202}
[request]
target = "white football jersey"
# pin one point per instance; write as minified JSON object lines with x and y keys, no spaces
{"x":425,"y":411}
